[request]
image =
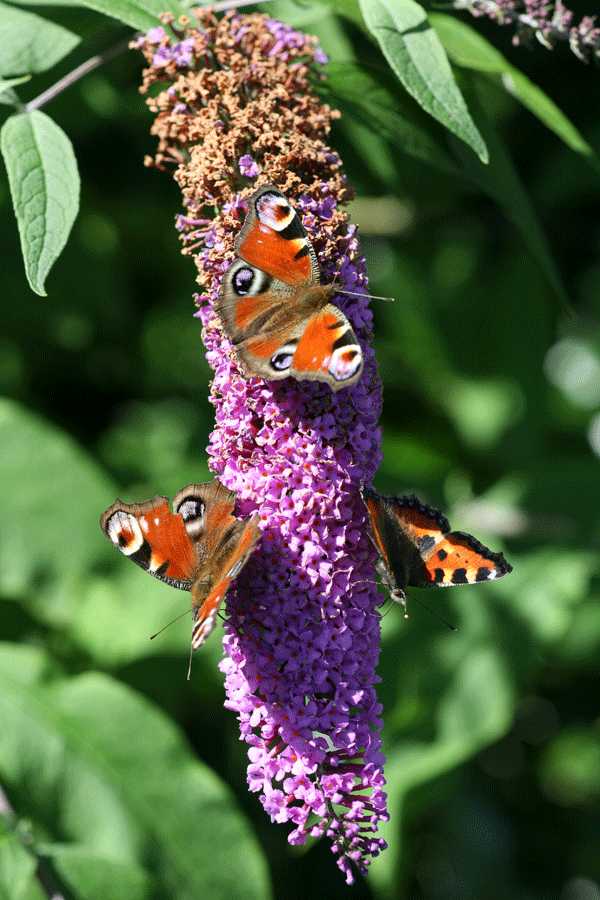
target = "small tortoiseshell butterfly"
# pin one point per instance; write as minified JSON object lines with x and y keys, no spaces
{"x":273,"y":308}
{"x":199,"y":547}
{"x":417,"y":548}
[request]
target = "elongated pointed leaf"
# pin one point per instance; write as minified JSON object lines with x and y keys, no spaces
{"x":44,"y":186}
{"x":104,"y":769}
{"x":415,"y":54}
{"x":29,"y":43}
{"x":467,"y":48}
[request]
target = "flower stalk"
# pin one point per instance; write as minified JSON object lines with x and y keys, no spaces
{"x":549,"y":22}
{"x":234,"y":109}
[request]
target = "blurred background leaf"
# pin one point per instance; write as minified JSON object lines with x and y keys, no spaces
{"x":492,"y":412}
{"x":131,"y":803}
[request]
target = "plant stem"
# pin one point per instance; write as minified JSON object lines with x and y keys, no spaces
{"x":94,"y":62}
{"x":72,"y":77}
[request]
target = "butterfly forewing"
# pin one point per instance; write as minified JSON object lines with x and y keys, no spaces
{"x":200,"y":546}
{"x":461,"y":559}
{"x":154,"y":538}
{"x":274,"y":240}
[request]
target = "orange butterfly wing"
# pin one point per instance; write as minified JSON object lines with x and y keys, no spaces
{"x":153,"y":538}
{"x":418,"y":549}
{"x":274,"y":240}
{"x":206,"y":614}
{"x":200,"y":547}
{"x":459,"y":558}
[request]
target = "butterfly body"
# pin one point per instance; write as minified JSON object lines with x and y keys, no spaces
{"x":199,"y":546}
{"x":277,"y":314}
{"x":417,"y":549}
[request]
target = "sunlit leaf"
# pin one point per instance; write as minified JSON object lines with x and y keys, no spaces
{"x":96,"y":877}
{"x":468,"y":48}
{"x":44,"y":186}
{"x":417,"y":57}
{"x":7,"y":95}
{"x":29,"y":43}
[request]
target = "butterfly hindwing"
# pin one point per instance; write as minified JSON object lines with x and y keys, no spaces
{"x":224,"y":545}
{"x":154,"y":538}
{"x":235,"y":548}
{"x":418,"y":549}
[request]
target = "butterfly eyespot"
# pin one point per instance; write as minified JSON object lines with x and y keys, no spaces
{"x":242,"y":280}
{"x":191,"y":510}
{"x":274,"y":211}
{"x":282,"y":360}
{"x":345,"y":362}
{"x":125,"y":533}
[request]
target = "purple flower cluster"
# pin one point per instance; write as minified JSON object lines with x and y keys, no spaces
{"x":549,"y":22}
{"x":286,"y":39}
{"x":248,"y":166}
{"x":303,"y":632}
{"x":302,"y":641}
{"x":181,"y":53}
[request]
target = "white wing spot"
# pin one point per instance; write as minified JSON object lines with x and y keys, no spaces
{"x":125,"y":532}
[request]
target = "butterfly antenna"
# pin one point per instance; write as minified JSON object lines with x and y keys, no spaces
{"x":366,"y":296}
{"x":435,"y":614}
{"x":160,"y":631}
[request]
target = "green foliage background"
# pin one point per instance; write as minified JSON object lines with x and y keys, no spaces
{"x":125,"y":780}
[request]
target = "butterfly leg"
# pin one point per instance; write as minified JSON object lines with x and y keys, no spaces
{"x":399,"y":596}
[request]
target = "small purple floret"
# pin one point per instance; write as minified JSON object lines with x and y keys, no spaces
{"x":248,"y":167}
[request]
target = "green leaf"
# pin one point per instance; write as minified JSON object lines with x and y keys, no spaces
{"x":30,"y":44}
{"x":349,"y":9}
{"x":8,"y":96}
{"x":500,"y":180}
{"x":438,"y":715}
{"x":357,"y":90}
{"x":6,"y":83}
{"x":96,"y":877}
{"x":17,"y":868}
{"x":102,"y":767}
{"x":140,"y":14}
{"x":44,"y":185}
{"x":469,"y":49}
{"x":415,"y":54}
{"x":53,"y":495}
{"x":46,"y":2}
